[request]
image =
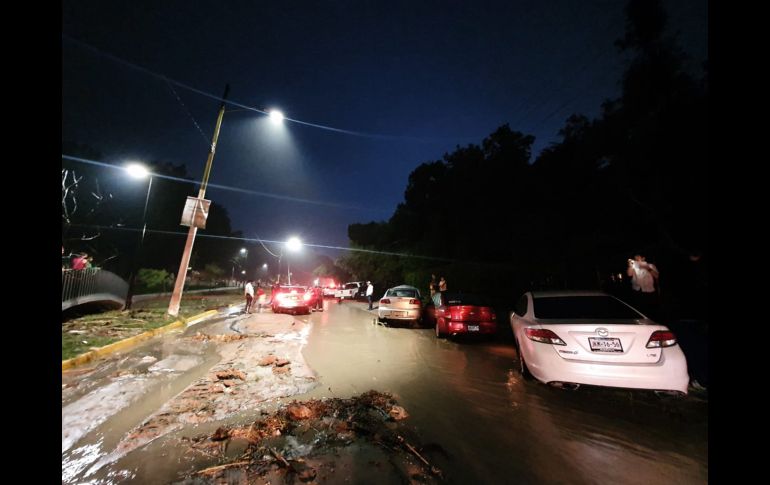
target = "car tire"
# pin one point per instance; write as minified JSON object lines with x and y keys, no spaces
{"x":521,"y":363}
{"x":439,"y":333}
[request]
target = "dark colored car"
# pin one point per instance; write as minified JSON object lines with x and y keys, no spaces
{"x":457,"y":313}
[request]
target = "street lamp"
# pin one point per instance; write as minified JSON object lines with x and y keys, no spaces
{"x":138,"y":171}
{"x":176,"y":296}
{"x":276,"y":116}
{"x":293,"y":245}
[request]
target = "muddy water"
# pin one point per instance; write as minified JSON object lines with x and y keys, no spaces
{"x":494,"y":427}
{"x":483,"y":423}
{"x":142,"y":392}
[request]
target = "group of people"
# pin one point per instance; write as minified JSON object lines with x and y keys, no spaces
{"x":436,"y":286}
{"x":248,"y":291}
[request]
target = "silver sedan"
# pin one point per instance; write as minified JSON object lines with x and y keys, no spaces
{"x":400,"y":303}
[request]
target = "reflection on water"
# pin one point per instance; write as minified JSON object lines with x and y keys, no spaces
{"x":482,"y":422}
{"x":499,"y":428}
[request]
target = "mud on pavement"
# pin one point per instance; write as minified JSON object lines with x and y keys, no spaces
{"x":320,"y":441}
{"x":260,"y":359}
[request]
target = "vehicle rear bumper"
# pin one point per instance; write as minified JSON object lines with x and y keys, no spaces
{"x":464,"y":328}
{"x":388,"y":313}
{"x":668,"y":374}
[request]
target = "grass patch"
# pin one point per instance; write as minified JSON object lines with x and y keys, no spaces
{"x":82,"y":333}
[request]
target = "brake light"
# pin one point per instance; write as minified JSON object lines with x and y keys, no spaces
{"x":544,"y":336}
{"x":332,"y":285}
{"x":661,"y":338}
{"x":307,"y":297}
{"x":385,"y":301}
{"x":414,"y":302}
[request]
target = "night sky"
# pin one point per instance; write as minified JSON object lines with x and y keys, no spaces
{"x":412,"y":80}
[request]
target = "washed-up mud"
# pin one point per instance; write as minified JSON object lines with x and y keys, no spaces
{"x":259,"y":359}
{"x":320,"y":441}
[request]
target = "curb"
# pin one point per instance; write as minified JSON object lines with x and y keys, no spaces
{"x":131,"y":341}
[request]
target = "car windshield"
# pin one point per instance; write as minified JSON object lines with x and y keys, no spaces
{"x":403,"y":293}
{"x":351,"y":286}
{"x":458,"y":299}
{"x":580,"y":307}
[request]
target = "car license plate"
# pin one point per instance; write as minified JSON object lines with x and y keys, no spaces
{"x":473,"y":328}
{"x":398,"y":314}
{"x":605,"y":344}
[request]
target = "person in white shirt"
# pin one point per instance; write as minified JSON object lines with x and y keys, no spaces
{"x":369,"y":293}
{"x":248,"y":290}
{"x":643,"y":277}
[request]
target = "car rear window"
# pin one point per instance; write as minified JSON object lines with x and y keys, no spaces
{"x":402,"y":293}
{"x":459,"y":299}
{"x":580,"y":307}
{"x":351,"y":286}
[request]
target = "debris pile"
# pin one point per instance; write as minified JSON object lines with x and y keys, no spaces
{"x":310,"y":441}
{"x":202,"y":337}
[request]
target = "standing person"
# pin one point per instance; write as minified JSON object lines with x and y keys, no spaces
{"x":643,"y":277}
{"x":318,"y":297}
{"x":433,"y":286}
{"x":442,"y":284}
{"x":369,"y":293}
{"x":248,"y":291}
{"x":260,"y":297}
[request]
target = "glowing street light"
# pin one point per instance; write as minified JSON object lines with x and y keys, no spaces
{"x":276,"y":116}
{"x":294,"y":244}
{"x":137,"y":170}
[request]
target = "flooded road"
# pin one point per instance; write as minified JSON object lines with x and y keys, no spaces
{"x":496,"y":427}
{"x":481,"y":421}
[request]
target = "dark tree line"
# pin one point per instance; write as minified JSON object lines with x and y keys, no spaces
{"x":633,"y":180}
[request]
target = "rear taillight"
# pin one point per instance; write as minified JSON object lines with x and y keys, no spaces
{"x":385,"y":301}
{"x":414,"y":302}
{"x":661,"y":338}
{"x":307,"y":296}
{"x":543,"y":336}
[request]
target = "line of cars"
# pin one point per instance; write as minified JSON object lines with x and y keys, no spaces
{"x":562,"y":338}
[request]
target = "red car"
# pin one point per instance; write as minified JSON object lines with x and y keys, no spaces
{"x":458,"y":313}
{"x":291,"y":299}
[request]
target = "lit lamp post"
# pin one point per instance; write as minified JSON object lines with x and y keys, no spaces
{"x":138,"y":171}
{"x":235,"y":261}
{"x":293,"y":245}
{"x":176,"y":296}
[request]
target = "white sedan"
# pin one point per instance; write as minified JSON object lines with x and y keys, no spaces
{"x":572,"y":338}
{"x":400,"y":303}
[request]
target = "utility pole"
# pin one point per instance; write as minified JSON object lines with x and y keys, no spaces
{"x":176,"y":296}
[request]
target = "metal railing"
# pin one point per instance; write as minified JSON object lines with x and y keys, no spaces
{"x":91,"y":285}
